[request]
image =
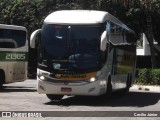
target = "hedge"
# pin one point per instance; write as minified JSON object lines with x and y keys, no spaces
{"x":148,"y":77}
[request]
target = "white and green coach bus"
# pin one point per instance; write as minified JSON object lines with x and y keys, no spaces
{"x":13,"y":54}
{"x":84,"y":52}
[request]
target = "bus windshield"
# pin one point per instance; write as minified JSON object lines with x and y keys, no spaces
{"x":70,"y":47}
{"x":12,"y":38}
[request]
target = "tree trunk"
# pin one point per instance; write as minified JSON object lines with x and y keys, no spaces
{"x":150,"y":38}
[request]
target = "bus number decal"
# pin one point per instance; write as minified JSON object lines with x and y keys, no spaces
{"x":15,"y":56}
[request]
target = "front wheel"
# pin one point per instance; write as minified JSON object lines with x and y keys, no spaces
{"x":54,"y":97}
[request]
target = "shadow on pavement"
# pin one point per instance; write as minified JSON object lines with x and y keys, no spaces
{"x":17,"y":89}
{"x":133,"y":99}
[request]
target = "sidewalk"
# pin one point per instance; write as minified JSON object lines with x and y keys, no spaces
{"x":149,"y":88}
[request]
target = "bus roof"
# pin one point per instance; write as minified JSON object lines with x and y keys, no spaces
{"x":82,"y":17}
{"x":76,"y":17}
{"x":12,"y":27}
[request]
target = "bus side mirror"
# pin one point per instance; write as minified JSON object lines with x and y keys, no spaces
{"x":103,"y":41}
{"x":33,"y":38}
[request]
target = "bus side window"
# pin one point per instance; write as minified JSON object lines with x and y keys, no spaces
{"x":130,"y":37}
{"x":119,"y":30}
{"x":119,"y":34}
{"x":113,"y":29}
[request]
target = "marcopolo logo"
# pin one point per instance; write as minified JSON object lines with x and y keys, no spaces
{"x":13,"y":56}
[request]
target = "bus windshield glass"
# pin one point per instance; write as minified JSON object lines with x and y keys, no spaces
{"x":70,"y":47}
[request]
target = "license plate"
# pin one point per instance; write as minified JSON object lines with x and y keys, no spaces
{"x":66,"y":89}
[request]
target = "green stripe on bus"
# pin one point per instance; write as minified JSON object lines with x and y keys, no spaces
{"x":13,"y":56}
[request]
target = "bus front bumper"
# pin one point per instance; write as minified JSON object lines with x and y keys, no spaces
{"x":95,"y":88}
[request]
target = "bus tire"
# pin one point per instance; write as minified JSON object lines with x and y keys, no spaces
{"x":128,"y":84}
{"x":109,"y":87}
{"x":54,"y":97}
{"x":2,"y":79}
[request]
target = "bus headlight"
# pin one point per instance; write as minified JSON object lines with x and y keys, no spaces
{"x":41,"y":77}
{"x":92,"y":79}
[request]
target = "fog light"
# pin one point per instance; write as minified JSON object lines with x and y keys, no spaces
{"x":92,"y":79}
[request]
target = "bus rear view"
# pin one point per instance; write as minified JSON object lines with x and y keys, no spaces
{"x":13,"y":54}
{"x":73,"y":55}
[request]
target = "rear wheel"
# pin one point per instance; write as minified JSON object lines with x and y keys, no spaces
{"x":54,"y":97}
{"x":109,"y":87}
{"x":1,"y":85}
{"x":2,"y":78}
{"x":128,"y":84}
{"x":129,"y":79}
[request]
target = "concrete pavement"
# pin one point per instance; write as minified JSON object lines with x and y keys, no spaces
{"x":148,"y":88}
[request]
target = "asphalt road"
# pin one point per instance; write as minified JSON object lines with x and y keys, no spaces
{"x":23,"y":97}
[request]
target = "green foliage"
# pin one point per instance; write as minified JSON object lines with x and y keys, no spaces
{"x":21,"y":12}
{"x":148,"y":77}
{"x":31,"y":13}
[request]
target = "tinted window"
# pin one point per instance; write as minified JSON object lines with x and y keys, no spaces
{"x":119,"y":35}
{"x":12,"y":38}
{"x":77,"y":46}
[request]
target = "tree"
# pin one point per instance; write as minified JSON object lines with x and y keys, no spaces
{"x":147,"y":6}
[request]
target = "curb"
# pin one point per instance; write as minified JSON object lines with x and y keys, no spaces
{"x":146,"y":88}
